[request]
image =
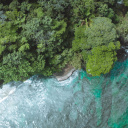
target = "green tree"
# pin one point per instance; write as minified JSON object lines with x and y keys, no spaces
{"x":111,"y":2}
{"x":105,"y":11}
{"x":101,"y":32}
{"x":76,"y":60}
{"x":102,"y":59}
{"x":56,"y":9}
{"x":125,"y":2}
{"x":82,"y":11}
{"x":122,"y":29}
{"x":14,"y":67}
{"x":94,"y":42}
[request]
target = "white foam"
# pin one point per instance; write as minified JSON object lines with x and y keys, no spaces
{"x":28,"y":81}
{"x":69,"y":80}
{"x":6,"y":91}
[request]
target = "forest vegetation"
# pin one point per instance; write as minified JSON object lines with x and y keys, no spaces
{"x":42,"y":36}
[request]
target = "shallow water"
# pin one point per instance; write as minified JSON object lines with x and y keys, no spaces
{"x":78,"y":102}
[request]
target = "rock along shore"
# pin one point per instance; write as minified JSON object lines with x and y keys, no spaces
{"x":65,"y":73}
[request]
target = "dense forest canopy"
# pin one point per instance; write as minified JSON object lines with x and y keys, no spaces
{"x":42,"y":36}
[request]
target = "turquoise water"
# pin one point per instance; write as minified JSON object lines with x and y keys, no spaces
{"x":78,"y":102}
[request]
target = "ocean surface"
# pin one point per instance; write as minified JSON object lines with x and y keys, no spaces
{"x":80,"y":101}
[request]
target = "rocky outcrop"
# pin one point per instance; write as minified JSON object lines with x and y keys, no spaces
{"x":65,"y":73}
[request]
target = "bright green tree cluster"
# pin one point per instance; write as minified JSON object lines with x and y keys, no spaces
{"x":102,"y":59}
{"x":101,"y":32}
{"x":97,"y":44}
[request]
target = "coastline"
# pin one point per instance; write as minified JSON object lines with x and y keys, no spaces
{"x":65,"y":73}
{"x":60,"y":76}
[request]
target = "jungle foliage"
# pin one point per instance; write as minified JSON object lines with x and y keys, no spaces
{"x":42,"y":36}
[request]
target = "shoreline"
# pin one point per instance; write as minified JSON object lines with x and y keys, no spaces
{"x":60,"y":76}
{"x":65,"y":73}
